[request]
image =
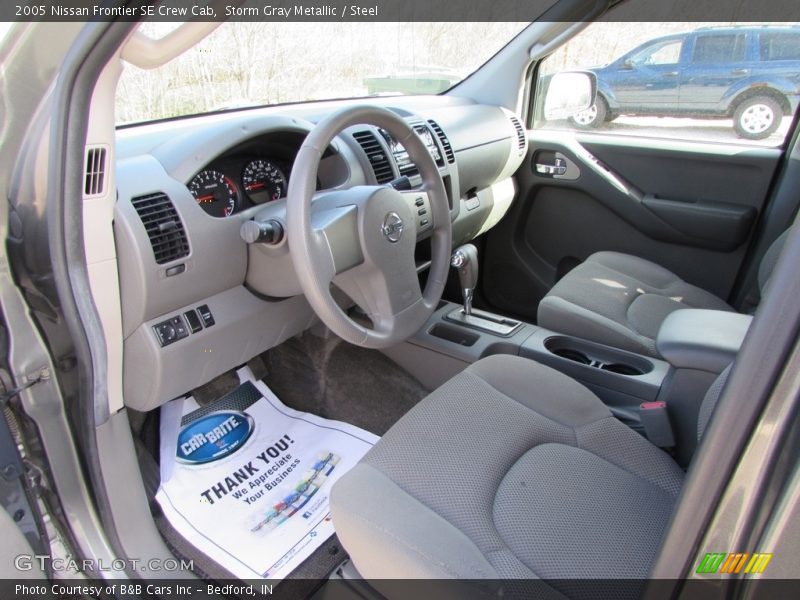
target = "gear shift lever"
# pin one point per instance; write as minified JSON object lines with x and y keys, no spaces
{"x":465,"y":259}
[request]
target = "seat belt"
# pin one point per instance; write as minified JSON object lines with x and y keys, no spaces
{"x":656,"y":423}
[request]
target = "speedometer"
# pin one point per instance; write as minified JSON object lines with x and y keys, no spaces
{"x":215,"y":193}
{"x":263,"y":181}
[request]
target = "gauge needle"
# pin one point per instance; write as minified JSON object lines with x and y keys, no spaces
{"x":206,"y":198}
{"x":255,"y":186}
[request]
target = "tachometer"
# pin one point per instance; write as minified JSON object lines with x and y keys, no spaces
{"x":263,"y":181}
{"x":215,"y":193}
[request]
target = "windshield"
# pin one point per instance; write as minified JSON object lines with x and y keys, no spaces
{"x":254,"y":64}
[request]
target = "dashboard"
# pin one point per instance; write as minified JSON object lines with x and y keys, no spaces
{"x":197,"y":300}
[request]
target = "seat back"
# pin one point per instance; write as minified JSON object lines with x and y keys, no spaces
{"x":769,"y":260}
{"x":710,"y":401}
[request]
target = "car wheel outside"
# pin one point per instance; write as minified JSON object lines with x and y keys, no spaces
{"x":757,"y":118}
{"x":592,"y":117}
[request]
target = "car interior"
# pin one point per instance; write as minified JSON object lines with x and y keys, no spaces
{"x":538,"y":323}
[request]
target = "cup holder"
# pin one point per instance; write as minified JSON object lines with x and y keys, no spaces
{"x":598,"y":357}
{"x":574,"y":355}
{"x":622,"y":369}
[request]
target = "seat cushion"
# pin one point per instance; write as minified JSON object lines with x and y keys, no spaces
{"x":509,"y":470}
{"x":619,"y":300}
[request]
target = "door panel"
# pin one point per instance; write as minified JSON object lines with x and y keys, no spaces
{"x":690,"y":207}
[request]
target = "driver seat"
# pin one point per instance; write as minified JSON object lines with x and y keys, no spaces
{"x":509,"y":470}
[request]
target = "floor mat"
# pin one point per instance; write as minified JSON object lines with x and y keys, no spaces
{"x":246,"y":479}
{"x":334,"y":379}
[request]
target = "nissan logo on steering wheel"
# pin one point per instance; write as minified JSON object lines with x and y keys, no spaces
{"x":392,"y":227}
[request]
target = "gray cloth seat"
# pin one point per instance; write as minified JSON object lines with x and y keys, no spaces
{"x":510,"y":470}
{"x":621,"y":300}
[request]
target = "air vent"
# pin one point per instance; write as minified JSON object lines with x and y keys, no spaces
{"x":95,"y":171}
{"x":163,"y":226}
{"x":448,"y":149}
{"x":521,"y":137}
{"x":377,"y":156}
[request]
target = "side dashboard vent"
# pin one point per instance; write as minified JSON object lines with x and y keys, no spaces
{"x":378,"y":159}
{"x":448,"y":149}
{"x":95,"y":171}
{"x":521,"y":136}
{"x":163,"y":226}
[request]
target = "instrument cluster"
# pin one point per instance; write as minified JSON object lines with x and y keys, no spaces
{"x":230,"y":185}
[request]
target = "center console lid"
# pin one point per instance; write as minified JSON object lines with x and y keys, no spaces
{"x":706,"y":340}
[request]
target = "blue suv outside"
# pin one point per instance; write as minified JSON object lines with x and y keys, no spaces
{"x":749,"y":74}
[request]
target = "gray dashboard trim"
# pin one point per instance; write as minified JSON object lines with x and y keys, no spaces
{"x":217,"y":260}
{"x":244,"y":327}
{"x":213,"y":139}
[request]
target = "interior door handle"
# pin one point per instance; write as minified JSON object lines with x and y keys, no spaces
{"x":559,"y":168}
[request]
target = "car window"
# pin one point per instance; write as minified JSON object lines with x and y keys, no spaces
{"x":719,"y":49}
{"x":710,"y":88}
{"x":660,"y":54}
{"x":246,"y":64}
{"x":780,"y":46}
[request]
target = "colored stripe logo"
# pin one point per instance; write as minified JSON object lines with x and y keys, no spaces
{"x":734,"y":563}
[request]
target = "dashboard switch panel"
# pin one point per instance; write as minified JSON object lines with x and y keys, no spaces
{"x":205,"y":314}
{"x":171,"y":331}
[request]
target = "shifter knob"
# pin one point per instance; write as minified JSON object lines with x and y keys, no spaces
{"x":465,"y":260}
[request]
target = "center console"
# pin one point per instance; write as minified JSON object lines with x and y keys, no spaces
{"x":449,"y":342}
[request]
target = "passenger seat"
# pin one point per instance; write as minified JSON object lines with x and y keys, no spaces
{"x":621,"y":300}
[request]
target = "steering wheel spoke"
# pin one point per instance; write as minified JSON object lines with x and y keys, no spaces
{"x":381,"y":295}
{"x":336,"y":230}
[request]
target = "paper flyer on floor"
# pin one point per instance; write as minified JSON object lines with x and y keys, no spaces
{"x":247,"y":479}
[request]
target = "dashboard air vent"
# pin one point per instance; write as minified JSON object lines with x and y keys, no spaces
{"x":520,"y":134}
{"x":163,"y":226}
{"x":95,"y":171}
{"x":448,"y":149}
{"x":378,"y":158}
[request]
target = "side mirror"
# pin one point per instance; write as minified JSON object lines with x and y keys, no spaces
{"x":628,"y":64}
{"x":568,"y":93}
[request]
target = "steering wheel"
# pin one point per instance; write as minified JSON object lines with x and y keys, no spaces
{"x":362,"y":239}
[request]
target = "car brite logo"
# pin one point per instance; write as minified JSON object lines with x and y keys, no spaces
{"x":734,"y":563}
{"x":213,"y":437}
